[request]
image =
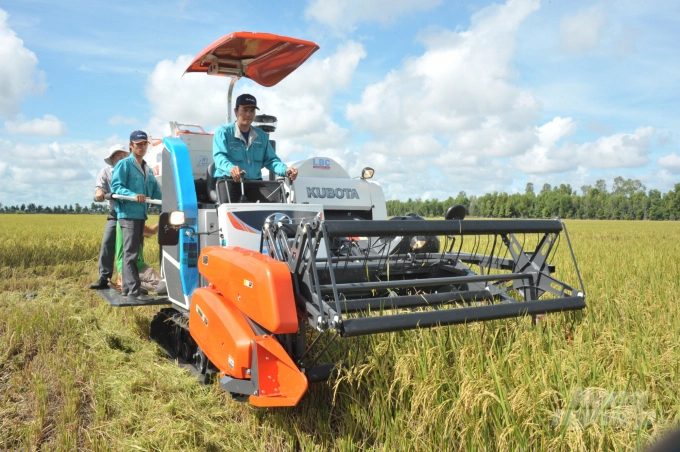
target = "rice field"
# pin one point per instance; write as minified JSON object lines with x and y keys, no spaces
{"x":76,"y":374}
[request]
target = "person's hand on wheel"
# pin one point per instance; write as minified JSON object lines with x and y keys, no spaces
{"x":236,"y":173}
{"x":292,"y":173}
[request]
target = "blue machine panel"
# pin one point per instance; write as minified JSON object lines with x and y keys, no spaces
{"x":187,"y":202}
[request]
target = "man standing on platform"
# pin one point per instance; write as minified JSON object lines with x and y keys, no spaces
{"x":107,"y":252}
{"x":134,"y":178}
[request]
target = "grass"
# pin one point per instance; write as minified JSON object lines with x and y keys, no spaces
{"x":77,"y":374}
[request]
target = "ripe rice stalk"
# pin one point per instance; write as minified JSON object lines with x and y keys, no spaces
{"x":76,"y":374}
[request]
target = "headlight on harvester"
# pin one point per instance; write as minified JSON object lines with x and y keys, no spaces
{"x":424,"y":244}
{"x":177,"y":218}
{"x":418,"y":243}
{"x":367,"y":173}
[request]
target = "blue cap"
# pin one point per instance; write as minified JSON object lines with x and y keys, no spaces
{"x":137,"y":136}
{"x":247,"y":100}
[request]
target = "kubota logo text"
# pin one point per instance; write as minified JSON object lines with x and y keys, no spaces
{"x":340,"y":193}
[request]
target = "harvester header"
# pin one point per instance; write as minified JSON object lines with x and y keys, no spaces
{"x":381,"y":267}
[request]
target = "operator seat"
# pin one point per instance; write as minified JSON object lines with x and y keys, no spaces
{"x":220,"y":192}
{"x":217,"y":188}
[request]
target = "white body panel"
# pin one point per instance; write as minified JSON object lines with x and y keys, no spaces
{"x":200,"y":152}
{"x":185,"y":300}
{"x":320,"y":167}
{"x":208,"y":227}
{"x":321,"y":180}
{"x":378,"y":200}
{"x":200,"y":147}
{"x":333,"y":193}
{"x":236,"y":221}
{"x":153,"y":157}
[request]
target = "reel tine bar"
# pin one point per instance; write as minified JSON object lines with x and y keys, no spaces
{"x":376,"y":267}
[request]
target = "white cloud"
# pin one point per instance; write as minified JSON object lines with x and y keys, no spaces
{"x":671,"y":162}
{"x":582,"y":31}
{"x":192,"y":98}
{"x":620,"y":150}
{"x":119,"y":120}
{"x":51,"y":173}
{"x":546,"y":156}
{"x":301,"y":102}
{"x":403,"y":173}
{"x":454,"y":118}
{"x":343,"y":15}
{"x":47,"y":126}
{"x":453,"y":108}
{"x":19,"y":76}
{"x":459,"y":89}
{"x":662,"y":180}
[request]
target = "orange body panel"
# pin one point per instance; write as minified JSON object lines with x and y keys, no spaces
{"x":266,"y":58}
{"x":257,"y":285}
{"x":221,"y":331}
{"x":280,"y":381}
{"x":227,"y":340}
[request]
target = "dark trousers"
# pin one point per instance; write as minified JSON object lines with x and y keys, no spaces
{"x":133,"y":234}
{"x":107,"y":253}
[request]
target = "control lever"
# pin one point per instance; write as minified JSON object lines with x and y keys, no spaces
{"x":243,"y":191}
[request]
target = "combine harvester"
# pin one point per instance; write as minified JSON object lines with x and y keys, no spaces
{"x":255,"y":283}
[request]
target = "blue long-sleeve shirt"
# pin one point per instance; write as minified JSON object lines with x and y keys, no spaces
{"x":230,"y":149}
{"x":129,"y":180}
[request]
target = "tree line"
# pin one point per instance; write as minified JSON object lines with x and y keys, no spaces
{"x":76,"y":208}
{"x":628,"y":199}
{"x":66,"y":208}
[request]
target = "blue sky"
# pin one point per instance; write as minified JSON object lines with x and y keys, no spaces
{"x":437,"y":96}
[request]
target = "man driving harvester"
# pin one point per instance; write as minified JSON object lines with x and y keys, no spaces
{"x":241,"y":150}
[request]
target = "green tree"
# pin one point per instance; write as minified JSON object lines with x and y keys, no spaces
{"x":627,"y":187}
{"x":657,"y":209}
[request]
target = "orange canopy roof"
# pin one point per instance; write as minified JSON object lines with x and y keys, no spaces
{"x":262,"y":57}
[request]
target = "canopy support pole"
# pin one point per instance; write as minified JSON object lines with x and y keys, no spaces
{"x":231,"y":89}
